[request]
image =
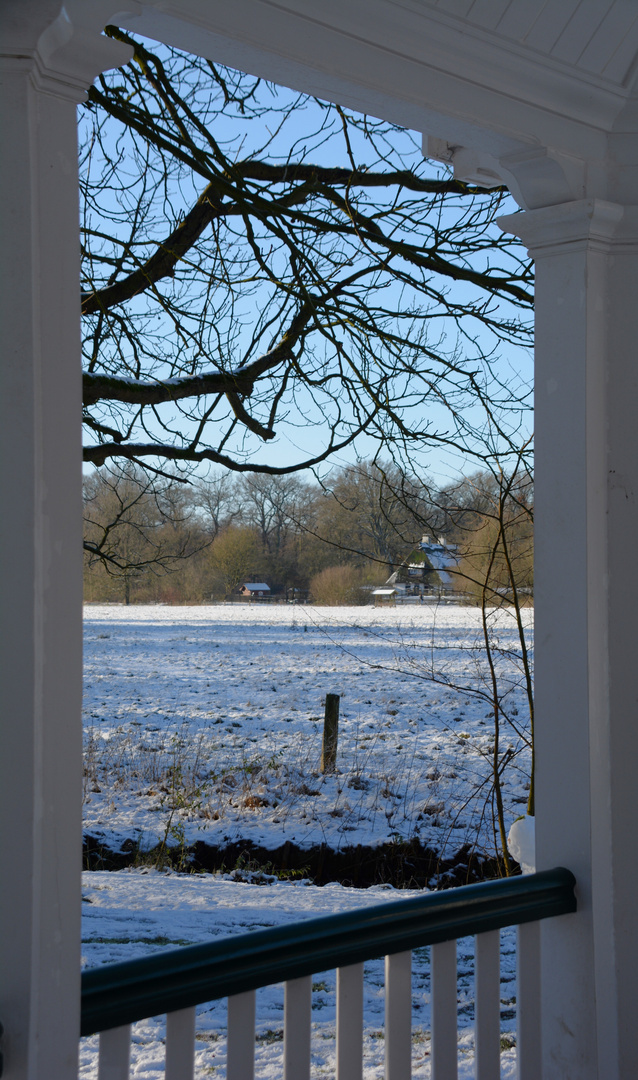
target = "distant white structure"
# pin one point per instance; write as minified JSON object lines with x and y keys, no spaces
{"x":422,"y":572}
{"x":443,"y":558}
{"x":384,"y":595}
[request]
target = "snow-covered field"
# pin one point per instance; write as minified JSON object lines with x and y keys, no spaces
{"x":205,"y":723}
{"x":135,"y":912}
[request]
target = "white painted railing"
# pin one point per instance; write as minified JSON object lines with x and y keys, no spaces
{"x":201,"y":972}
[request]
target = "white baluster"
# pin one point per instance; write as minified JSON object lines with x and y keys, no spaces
{"x":398,"y":1016}
{"x":487,"y":1005}
{"x":444,"y":1011}
{"x":528,"y":1000}
{"x":180,"y":1045}
{"x":115,"y":1054}
{"x":350,"y":1022}
{"x":297,"y":1019}
{"x":240,"y":1061}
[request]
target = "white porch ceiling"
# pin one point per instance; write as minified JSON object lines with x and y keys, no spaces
{"x":498,"y":77}
{"x":599,"y":37}
{"x":574,"y":58}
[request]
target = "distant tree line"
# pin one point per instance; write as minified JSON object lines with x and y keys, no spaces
{"x":167,"y":541}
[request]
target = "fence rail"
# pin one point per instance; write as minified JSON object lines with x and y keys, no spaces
{"x":117,"y":995}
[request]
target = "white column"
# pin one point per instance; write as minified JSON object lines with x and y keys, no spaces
{"x":586,"y":598}
{"x":45,"y":65}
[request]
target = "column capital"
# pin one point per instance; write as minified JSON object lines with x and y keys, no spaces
{"x":591,"y":224}
{"x":63,"y":54}
{"x":536,"y":175}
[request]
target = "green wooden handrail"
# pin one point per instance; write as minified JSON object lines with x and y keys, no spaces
{"x":118,"y":994}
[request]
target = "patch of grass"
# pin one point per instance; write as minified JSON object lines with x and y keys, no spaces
{"x":272,"y":1035}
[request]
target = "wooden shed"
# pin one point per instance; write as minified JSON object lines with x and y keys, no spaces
{"x":254,"y":590}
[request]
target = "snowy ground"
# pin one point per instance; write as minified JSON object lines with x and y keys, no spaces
{"x":135,"y":912}
{"x":205,"y":723}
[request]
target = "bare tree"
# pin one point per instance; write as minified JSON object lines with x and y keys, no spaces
{"x":371,"y":512}
{"x":215,"y":498}
{"x":242,"y":280}
{"x":235,"y":557}
{"x":275,"y":505}
{"x":134,"y":525}
{"x":490,"y":516}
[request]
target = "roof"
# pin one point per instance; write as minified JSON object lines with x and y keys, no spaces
{"x":256,"y":586}
{"x":384,"y":592}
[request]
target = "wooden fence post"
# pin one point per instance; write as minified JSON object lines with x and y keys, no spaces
{"x":330,"y":734}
